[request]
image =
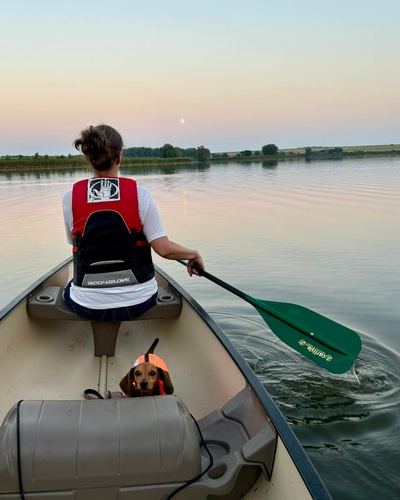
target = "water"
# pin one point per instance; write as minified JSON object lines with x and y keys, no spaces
{"x":323,"y":234}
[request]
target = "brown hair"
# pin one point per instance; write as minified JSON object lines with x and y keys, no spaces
{"x":101,"y":145}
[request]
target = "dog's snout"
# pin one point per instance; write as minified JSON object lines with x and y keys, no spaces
{"x":144,"y":383}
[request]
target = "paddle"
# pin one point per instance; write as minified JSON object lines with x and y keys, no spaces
{"x":329,"y":344}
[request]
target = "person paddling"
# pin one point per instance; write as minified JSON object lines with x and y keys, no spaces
{"x":113,"y":224}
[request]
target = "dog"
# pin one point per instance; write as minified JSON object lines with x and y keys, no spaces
{"x":149,"y":376}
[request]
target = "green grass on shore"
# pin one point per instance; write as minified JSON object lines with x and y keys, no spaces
{"x":379,"y":148}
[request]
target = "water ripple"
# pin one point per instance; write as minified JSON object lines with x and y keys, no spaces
{"x":349,"y":415}
{"x":294,"y":382}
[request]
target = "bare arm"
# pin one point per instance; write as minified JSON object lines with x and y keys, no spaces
{"x":168,"y":249}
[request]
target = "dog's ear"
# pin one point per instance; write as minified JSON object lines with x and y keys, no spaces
{"x":164,"y":376}
{"x":126,"y":385}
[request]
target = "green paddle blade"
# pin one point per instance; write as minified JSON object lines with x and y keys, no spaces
{"x":327,"y":343}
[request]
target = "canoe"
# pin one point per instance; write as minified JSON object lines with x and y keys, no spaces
{"x":219,"y":435}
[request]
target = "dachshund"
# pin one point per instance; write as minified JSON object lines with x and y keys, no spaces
{"x":149,"y":376}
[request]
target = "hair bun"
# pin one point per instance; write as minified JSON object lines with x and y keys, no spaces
{"x":101,"y":145}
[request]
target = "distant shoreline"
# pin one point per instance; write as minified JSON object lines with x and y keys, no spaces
{"x":349,"y":149}
{"x":377,"y":148}
{"x":37,"y":162}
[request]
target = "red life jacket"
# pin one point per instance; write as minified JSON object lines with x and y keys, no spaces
{"x":109,"y":247}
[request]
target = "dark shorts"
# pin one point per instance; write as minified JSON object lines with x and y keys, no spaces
{"x":115,"y":314}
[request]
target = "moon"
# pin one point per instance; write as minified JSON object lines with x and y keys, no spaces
{"x":182,"y":121}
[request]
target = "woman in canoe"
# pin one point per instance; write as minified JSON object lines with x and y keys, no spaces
{"x":112,"y":225}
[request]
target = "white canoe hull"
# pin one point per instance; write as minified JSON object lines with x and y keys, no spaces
{"x":53,"y":360}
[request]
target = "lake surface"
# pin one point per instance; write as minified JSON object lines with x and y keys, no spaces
{"x":325,"y":235}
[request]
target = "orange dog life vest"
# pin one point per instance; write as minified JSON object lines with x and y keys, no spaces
{"x":151,"y":358}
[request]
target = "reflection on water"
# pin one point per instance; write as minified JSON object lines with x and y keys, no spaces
{"x":270,"y":164}
{"x":321,"y":234}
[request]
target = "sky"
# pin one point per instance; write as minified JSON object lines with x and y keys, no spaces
{"x":228,"y":75}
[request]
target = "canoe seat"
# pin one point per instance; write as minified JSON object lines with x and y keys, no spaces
{"x":47,"y":303}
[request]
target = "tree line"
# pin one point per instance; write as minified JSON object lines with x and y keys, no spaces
{"x":266,"y":150}
{"x":168,"y":151}
{"x":200,"y":153}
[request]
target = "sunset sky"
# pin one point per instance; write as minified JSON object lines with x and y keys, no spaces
{"x":229,"y":75}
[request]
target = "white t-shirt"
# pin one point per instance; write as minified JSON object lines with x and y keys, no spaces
{"x":118,"y":296}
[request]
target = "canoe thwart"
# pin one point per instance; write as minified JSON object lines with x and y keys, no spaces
{"x":47,"y":303}
{"x":62,"y":451}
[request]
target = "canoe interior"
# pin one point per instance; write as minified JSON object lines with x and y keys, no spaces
{"x":48,"y":363}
